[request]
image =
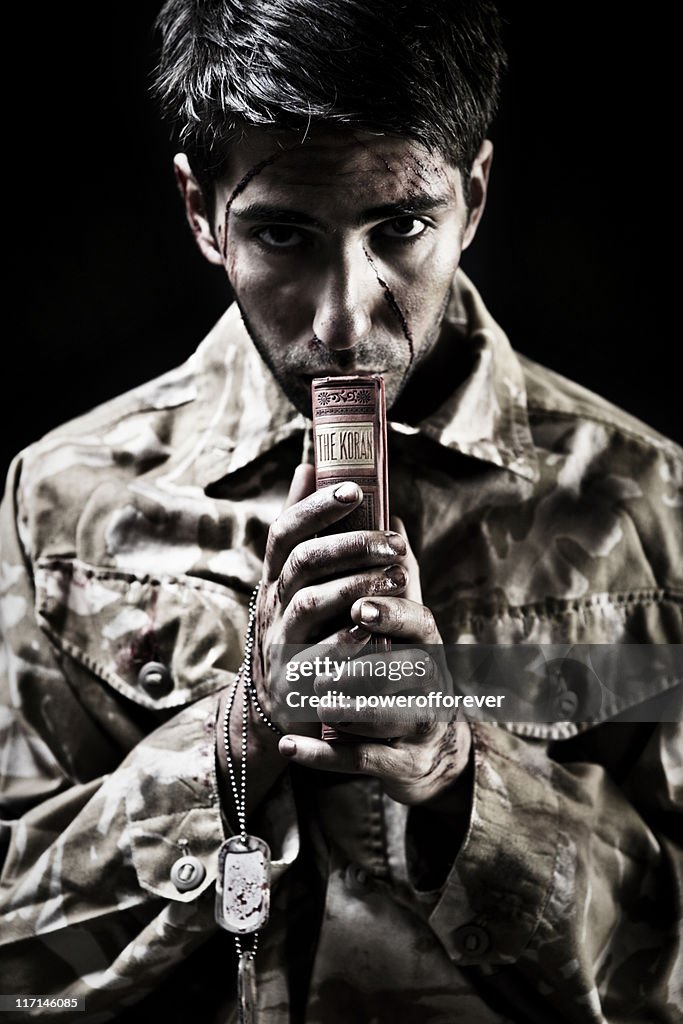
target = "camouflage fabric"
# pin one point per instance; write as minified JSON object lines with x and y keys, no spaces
{"x":135,"y":534}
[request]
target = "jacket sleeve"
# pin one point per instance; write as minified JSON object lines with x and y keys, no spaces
{"x":571,"y":875}
{"x":95,"y":811}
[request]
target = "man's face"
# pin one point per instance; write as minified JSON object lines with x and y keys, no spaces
{"x":340,"y":252}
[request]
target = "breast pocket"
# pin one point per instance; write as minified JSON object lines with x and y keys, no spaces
{"x":162,"y":641}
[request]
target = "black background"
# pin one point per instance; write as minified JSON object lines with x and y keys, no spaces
{"x":106,"y":289}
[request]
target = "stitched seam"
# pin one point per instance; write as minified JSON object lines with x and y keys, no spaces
{"x":124,"y":578}
{"x":540,"y":609}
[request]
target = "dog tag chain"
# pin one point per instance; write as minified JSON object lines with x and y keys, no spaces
{"x":243,"y":882}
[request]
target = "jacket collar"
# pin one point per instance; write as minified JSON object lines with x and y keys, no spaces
{"x":244,"y":412}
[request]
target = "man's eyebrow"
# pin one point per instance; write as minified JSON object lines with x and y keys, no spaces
{"x":263,"y":213}
{"x":422,"y":202}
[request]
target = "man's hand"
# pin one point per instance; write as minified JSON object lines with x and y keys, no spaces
{"x":373,"y":577}
{"x":310,"y":582}
{"x":416,"y":755}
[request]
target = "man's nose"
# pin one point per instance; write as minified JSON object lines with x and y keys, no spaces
{"x":343,"y":305}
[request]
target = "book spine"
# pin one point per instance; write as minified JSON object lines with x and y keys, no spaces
{"x":350,"y":443}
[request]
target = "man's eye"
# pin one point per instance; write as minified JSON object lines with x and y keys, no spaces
{"x":279,"y":236}
{"x":403,"y":227}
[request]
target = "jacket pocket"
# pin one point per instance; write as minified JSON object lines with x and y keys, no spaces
{"x":162,"y":641}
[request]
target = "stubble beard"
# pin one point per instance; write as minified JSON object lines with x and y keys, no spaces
{"x":300,"y":396}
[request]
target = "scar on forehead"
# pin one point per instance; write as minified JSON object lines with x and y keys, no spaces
{"x":423,"y":170}
{"x":378,"y":157}
{"x":390,"y":299}
{"x":240,"y":187}
{"x":418,"y":168}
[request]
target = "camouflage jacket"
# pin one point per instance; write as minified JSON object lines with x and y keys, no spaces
{"x":131,"y":539}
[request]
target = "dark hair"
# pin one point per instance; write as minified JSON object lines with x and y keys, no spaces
{"x":426,"y":69}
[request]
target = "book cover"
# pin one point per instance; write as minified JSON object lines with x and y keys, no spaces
{"x":350,"y":443}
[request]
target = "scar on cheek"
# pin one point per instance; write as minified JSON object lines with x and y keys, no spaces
{"x":390,"y":299}
{"x":240,"y":187}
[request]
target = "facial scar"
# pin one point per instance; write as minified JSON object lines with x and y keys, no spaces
{"x":393,"y":305}
{"x":240,"y":187}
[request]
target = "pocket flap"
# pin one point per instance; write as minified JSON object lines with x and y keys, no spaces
{"x":162,"y":641}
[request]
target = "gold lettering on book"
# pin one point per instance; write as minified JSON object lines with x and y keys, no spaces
{"x":348,"y":444}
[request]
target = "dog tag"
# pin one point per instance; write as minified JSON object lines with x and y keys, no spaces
{"x":243,"y":885}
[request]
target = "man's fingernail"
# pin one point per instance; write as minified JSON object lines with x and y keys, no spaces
{"x":358,"y":633}
{"x":287,"y":747}
{"x":396,"y":574}
{"x":369,"y":612}
{"x":396,"y":543}
{"x":346,"y":493}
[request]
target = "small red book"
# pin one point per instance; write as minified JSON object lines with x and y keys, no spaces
{"x":350,"y":443}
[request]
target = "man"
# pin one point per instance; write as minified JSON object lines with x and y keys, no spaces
{"x":334,"y":162}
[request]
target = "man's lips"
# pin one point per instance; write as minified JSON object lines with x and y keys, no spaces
{"x":336,"y":372}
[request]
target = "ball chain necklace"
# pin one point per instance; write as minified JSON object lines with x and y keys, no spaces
{"x":243,"y":882}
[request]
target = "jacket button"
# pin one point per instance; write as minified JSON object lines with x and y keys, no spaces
{"x":187,"y":873}
{"x":155,"y":679}
{"x":356,"y":878}
{"x":566,"y":704}
{"x":471,"y":940}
